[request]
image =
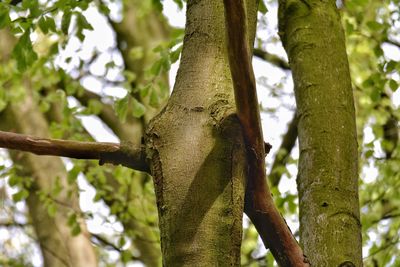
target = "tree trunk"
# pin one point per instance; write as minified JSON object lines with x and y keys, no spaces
{"x":197,"y":151}
{"x":58,"y":246}
{"x":330,"y":228}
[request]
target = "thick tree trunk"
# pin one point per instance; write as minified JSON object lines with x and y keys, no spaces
{"x":197,"y":152}
{"x":58,"y":246}
{"x":330,"y":229}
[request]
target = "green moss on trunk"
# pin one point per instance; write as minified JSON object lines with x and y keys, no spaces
{"x":327,"y":181}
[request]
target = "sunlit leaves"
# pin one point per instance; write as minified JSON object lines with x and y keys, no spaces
{"x":121,"y":108}
{"x":138,"y":109}
{"x":129,"y":105}
{"x":47,"y":24}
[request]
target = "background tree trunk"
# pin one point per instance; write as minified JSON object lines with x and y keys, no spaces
{"x":59,"y":247}
{"x":330,"y":228}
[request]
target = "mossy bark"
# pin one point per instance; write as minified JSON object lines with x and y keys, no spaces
{"x":197,"y":151}
{"x":330,"y":229}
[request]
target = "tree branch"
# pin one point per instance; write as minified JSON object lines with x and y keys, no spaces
{"x":281,"y":158}
{"x":271,"y":58}
{"x":113,"y":153}
{"x":259,"y":204}
{"x":392,"y":42}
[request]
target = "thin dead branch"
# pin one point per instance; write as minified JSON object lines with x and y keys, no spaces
{"x":118,"y":154}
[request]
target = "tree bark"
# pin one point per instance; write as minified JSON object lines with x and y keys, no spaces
{"x":197,"y":149}
{"x":330,"y":228}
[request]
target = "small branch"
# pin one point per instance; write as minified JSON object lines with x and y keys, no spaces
{"x":288,"y":142}
{"x":113,"y":153}
{"x":259,"y":204}
{"x":392,"y":42}
{"x":271,"y":58}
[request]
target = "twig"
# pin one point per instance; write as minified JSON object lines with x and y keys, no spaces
{"x":113,"y":153}
{"x":271,"y":58}
{"x":288,"y":142}
{"x":259,"y":204}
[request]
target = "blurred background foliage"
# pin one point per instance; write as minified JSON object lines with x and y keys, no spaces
{"x":100,"y":70}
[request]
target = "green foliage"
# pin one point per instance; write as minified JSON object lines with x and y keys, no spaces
{"x":370,"y":26}
{"x":23,"y":52}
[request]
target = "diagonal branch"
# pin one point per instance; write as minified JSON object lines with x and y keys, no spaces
{"x":113,"y":153}
{"x":281,"y":158}
{"x":271,"y":58}
{"x":259,"y":204}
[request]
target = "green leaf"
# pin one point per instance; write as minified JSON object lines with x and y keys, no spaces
{"x":157,"y":5}
{"x":21,"y":195}
{"x":154,"y":99}
{"x":51,"y":209}
{"x":4,"y":17}
{"x":262,"y":8}
{"x":72,"y":219}
{"x":374,"y":25}
{"x":391,"y":65}
{"x":51,"y":24}
{"x":138,"y":109}
{"x":136,"y":53}
{"x":14,"y":180}
{"x":174,"y":55}
{"x":121,"y":242}
{"x":156,"y":68}
{"x":144,"y":91}
{"x":76,"y":229}
{"x":94,"y":106}
{"x":393,"y":85}
{"x":56,"y":190}
{"x":65,"y":21}
{"x":44,"y":27}
{"x":23,"y":52}
{"x":104,"y":9}
{"x":179,"y":3}
{"x":44,"y":105}
{"x":126,"y":256}
{"x":129,"y":76}
{"x":121,"y":108}
{"x":82,"y":22}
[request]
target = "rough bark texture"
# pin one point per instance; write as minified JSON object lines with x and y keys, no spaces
{"x":327,"y":181}
{"x":58,"y":246}
{"x":197,"y":151}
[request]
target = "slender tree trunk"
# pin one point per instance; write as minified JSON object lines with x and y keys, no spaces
{"x":58,"y":246}
{"x":330,"y":228}
{"x":197,"y":151}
